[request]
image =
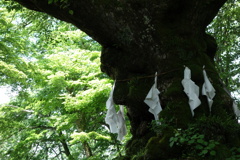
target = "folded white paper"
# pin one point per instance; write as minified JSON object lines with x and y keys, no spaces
{"x":152,"y":100}
{"x":208,"y":90}
{"x":122,"y":129}
{"x":236,"y":109}
{"x":116,"y":121}
{"x":191,"y":90}
{"x":111,"y":117}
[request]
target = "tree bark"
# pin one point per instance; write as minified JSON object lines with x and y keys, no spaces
{"x":87,"y":150}
{"x":139,"y":38}
{"x":65,"y":146}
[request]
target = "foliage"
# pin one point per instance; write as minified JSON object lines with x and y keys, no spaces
{"x":194,"y":143}
{"x":203,"y":139}
{"x":64,"y":4}
{"x":235,"y":154}
{"x":63,"y":97}
{"x":226,"y":30}
{"x":11,"y":52}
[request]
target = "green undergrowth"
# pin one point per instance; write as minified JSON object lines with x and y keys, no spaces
{"x":209,"y":138}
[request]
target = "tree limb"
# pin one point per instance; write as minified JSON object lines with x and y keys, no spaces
{"x":117,"y":22}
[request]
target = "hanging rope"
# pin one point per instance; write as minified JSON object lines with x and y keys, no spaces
{"x":159,"y":74}
{"x":149,"y":76}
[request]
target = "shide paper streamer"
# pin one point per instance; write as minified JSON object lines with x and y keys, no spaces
{"x":122,"y":129}
{"x":152,"y":100}
{"x":191,"y":90}
{"x":208,"y":90}
{"x":236,"y":109}
{"x":111,"y":117}
{"x":115,"y":120}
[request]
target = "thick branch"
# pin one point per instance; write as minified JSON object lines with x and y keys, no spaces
{"x":123,"y":22}
{"x":65,"y":146}
{"x":87,"y":149}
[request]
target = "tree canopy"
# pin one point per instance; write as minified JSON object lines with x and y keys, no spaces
{"x":60,"y":107}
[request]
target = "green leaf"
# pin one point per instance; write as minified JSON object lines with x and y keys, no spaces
{"x":171,"y":143}
{"x":50,"y":1}
{"x":204,"y":152}
{"x":201,"y":141}
{"x":213,"y":153}
{"x":199,"y":147}
{"x":70,"y":12}
{"x":191,"y":141}
{"x":211,"y":145}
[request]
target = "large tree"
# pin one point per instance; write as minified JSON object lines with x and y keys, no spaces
{"x":141,"y":37}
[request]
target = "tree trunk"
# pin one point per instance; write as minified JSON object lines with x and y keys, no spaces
{"x":142,"y":37}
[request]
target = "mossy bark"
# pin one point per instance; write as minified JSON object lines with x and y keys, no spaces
{"x":139,"y":38}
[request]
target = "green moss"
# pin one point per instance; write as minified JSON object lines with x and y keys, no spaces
{"x":153,"y":148}
{"x":134,"y":146}
{"x":176,"y":88}
{"x":174,"y":109}
{"x":138,"y":88}
{"x":158,"y":147}
{"x":139,"y":155}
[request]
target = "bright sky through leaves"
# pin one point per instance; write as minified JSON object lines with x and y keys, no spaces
{"x":4,"y":96}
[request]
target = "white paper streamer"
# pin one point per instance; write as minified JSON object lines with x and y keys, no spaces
{"x":116,"y":121}
{"x":122,"y":129}
{"x":111,"y":117}
{"x":152,"y":100}
{"x":236,"y":109}
{"x":208,"y":90}
{"x":191,"y":89}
